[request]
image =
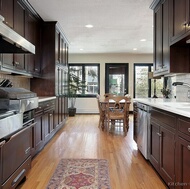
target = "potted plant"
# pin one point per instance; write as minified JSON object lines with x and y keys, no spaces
{"x":75,"y":86}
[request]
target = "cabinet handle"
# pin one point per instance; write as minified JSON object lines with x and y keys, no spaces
{"x":188,"y":147}
{"x":160,"y":135}
{"x":17,"y":63}
{"x":188,"y":129}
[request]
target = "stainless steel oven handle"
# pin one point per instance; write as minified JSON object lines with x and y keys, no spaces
{"x":18,"y":177}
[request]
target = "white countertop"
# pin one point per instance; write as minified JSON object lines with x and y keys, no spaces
{"x":45,"y":98}
{"x":180,"y":108}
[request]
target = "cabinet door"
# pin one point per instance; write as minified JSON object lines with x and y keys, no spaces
{"x":48,"y":125}
{"x":167,"y":155}
{"x":183,"y":163}
{"x":19,"y":19}
{"x":6,"y":10}
{"x":57,"y":46}
{"x":39,"y":142}
{"x":165,"y":37}
{"x":155,"y":144}
{"x":179,"y":18}
{"x":158,"y":39}
{"x":33,"y":34}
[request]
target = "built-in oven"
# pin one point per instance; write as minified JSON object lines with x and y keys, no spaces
{"x":16,"y":123}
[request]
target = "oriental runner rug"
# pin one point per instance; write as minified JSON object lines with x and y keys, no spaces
{"x":81,"y":174}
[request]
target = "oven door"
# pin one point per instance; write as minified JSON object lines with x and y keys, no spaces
{"x":15,"y":151}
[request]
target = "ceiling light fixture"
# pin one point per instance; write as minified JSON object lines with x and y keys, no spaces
{"x":134,"y":49}
{"x":81,"y":49}
{"x":89,"y":26}
{"x":143,"y":40}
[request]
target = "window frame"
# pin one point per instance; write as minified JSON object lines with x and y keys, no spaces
{"x":83,"y":65}
{"x":134,"y":78}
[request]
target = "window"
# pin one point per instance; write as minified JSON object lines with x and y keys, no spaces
{"x":143,"y":86}
{"x":89,"y":75}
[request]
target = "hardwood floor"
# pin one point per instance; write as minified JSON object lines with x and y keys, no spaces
{"x":81,"y":138}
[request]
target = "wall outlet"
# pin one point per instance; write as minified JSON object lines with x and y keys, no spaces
{"x":188,"y":93}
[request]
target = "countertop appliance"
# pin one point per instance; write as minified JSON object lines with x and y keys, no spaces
{"x":143,"y":124}
{"x":16,"y":122}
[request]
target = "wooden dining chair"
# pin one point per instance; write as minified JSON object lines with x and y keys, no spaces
{"x":101,"y":112}
{"x":117,"y":112}
{"x":107,"y":95}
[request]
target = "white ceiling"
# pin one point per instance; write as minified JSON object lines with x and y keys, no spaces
{"x":119,"y":25}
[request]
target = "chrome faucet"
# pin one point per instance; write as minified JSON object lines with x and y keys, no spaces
{"x":180,"y":83}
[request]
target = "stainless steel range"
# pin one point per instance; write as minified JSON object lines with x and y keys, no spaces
{"x":16,"y":122}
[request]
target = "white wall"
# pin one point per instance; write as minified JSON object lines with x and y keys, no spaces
{"x":89,"y":105}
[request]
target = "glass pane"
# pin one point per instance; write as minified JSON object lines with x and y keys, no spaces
{"x":117,"y":84}
{"x":141,"y":78}
{"x":77,"y":71}
{"x":158,"y":85}
{"x":91,"y":79}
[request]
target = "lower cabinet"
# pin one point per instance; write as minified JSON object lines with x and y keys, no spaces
{"x":183,"y":154}
{"x":50,"y":116}
{"x":43,"y":131}
{"x":162,"y":144}
{"x":170,"y":147}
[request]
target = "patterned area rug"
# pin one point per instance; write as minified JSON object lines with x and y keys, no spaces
{"x":81,"y":174}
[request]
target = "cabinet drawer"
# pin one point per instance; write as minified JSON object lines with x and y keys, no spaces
{"x":184,"y":125}
{"x":164,"y":117}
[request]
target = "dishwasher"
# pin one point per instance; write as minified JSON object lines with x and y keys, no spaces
{"x":143,"y":128}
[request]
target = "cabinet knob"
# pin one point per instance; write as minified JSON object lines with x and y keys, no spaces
{"x":188,"y":147}
{"x":188,"y":129}
{"x":17,"y":63}
{"x":160,"y":135}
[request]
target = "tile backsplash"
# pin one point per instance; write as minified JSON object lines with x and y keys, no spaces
{"x":17,"y":81}
{"x":179,"y":92}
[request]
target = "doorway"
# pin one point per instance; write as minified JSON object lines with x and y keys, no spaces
{"x":116,"y":78}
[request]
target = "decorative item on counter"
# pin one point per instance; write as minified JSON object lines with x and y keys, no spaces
{"x":166,"y":92}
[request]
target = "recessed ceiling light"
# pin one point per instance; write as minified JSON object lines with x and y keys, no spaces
{"x":143,"y":40}
{"x":134,"y":49}
{"x":81,"y":49}
{"x":89,"y":26}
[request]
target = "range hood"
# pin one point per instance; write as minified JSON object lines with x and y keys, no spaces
{"x":12,"y":42}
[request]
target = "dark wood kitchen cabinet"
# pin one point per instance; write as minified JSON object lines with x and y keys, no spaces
{"x":179,"y":19}
{"x":15,"y":62}
{"x":54,"y":73}
{"x":183,"y":153}
{"x":168,"y":58}
{"x":162,"y":144}
{"x":27,"y":24}
{"x":45,"y":127}
{"x":6,"y":10}
{"x":61,"y":48}
{"x":33,"y":34}
{"x":48,"y":120}
{"x":161,"y":38}
{"x":19,"y":27}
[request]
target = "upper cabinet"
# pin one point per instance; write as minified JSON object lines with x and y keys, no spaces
{"x":161,"y":38}
{"x":61,"y":48}
{"x":179,"y":19}
{"x":33,"y":34}
{"x":22,"y":18}
{"x":6,"y":10}
{"x":54,"y":61}
{"x":169,"y":57}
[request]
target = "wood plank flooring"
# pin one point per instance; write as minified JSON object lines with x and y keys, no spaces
{"x":81,"y":138}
